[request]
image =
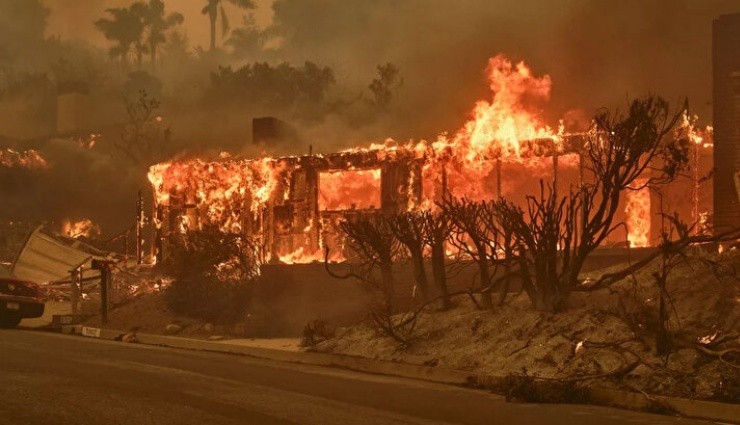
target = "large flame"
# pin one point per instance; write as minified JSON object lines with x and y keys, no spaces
{"x":504,"y":135}
{"x":499,"y":126}
{"x":216,"y":189}
{"x":349,"y":190}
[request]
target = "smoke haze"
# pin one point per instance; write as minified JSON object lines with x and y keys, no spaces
{"x":599,"y":53}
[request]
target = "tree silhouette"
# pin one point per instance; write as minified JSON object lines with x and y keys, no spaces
{"x":125,"y":28}
{"x":385,"y":84}
{"x":214,"y":8}
{"x":157,"y":24}
{"x":245,"y":40}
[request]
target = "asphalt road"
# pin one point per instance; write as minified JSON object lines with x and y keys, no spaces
{"x":56,"y":379}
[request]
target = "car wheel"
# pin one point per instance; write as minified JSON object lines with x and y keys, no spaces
{"x":10,"y":320}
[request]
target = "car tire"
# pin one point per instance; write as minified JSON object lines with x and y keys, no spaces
{"x":10,"y":320}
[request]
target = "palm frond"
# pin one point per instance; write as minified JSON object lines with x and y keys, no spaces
{"x":244,"y":4}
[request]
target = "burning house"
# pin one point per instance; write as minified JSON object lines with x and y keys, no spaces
{"x":291,"y":206}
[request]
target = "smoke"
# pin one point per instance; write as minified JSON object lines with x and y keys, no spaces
{"x":598,"y":52}
{"x":77,"y":183}
{"x":73,"y":19}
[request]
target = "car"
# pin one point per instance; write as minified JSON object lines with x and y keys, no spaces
{"x":19,"y":299}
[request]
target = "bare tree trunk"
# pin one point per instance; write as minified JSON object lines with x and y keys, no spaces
{"x":386,"y":273}
{"x":420,"y":276}
{"x":485,"y":281}
{"x":213,"y":33}
{"x":503,"y":289}
{"x":440,"y":275}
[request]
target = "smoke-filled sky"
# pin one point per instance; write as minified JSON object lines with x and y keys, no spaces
{"x":598,"y":52}
{"x":71,"y":19}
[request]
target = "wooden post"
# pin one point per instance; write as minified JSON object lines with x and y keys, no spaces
{"x":104,"y":267}
{"x":583,"y":217}
{"x":139,"y":230}
{"x":74,"y":278}
{"x":555,"y":175}
{"x":444,"y":182}
{"x":499,"y":194}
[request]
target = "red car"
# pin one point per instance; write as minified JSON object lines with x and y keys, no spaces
{"x":19,"y":300}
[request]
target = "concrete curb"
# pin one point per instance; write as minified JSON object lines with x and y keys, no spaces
{"x":708,"y":410}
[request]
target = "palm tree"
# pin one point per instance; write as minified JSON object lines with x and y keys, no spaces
{"x":157,"y":23}
{"x":214,"y":8}
{"x":125,"y":28}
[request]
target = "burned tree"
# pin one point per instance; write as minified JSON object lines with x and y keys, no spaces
{"x":372,"y":238}
{"x":408,"y":229}
{"x":506,"y":252}
{"x":144,"y":139}
{"x":544,"y":237}
{"x":436,"y":232}
{"x":619,"y":150}
{"x":556,"y":234}
{"x":474,"y":237}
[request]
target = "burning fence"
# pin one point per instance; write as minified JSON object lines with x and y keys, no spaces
{"x":291,"y":206}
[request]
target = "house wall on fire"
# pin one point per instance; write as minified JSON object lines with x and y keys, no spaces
{"x":309,"y":195}
{"x":292,"y":223}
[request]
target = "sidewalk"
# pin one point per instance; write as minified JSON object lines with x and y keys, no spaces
{"x":285,"y":344}
{"x":288,"y":350}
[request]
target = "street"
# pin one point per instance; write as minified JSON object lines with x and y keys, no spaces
{"x":58,"y":379}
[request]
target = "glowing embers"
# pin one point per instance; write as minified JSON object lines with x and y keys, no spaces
{"x":638,"y":214}
{"x":30,"y":159}
{"x":343,"y":190}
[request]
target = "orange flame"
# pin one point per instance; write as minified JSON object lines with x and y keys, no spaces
{"x":81,"y":228}
{"x":506,"y":129}
{"x":499,"y":127}
{"x":349,"y":190}
{"x":638,"y":214}
{"x":30,"y":159}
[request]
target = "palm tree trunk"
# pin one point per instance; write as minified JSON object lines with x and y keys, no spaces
{"x":213,"y":33}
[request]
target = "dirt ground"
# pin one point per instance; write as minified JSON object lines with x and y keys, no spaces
{"x":148,"y":313}
{"x":600,"y":333}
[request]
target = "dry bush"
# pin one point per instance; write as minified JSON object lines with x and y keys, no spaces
{"x":527,"y":388}
{"x":316,"y":332}
{"x":214,"y":275}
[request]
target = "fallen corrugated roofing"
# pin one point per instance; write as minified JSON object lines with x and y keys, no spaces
{"x":46,"y":258}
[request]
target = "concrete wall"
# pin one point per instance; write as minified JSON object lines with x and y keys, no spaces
{"x":290,"y":296}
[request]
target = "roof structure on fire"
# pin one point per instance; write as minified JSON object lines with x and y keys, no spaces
{"x":46,"y":258}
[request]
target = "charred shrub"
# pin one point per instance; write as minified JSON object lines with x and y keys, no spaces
{"x":527,"y":388}
{"x":316,"y":332}
{"x":728,"y":388}
{"x":214,"y":274}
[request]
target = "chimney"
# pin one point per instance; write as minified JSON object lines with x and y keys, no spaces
{"x":271,"y":131}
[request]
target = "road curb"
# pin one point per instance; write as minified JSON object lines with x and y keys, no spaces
{"x":708,"y":410}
